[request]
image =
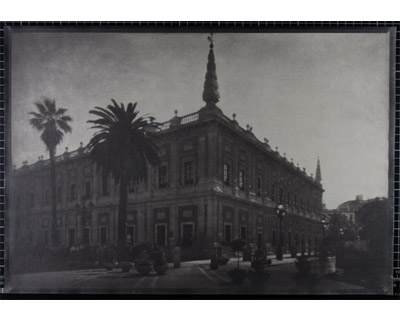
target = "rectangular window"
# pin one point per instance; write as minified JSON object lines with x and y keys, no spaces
{"x":308,"y":206}
{"x":47,"y":196}
{"x":59,"y":195}
{"x":187,"y":233}
{"x":88,"y":189}
{"x":189,"y":172}
{"x":228,"y":233}
{"x":162,"y":177}
{"x":131,"y":186}
{"x":58,"y":236}
{"x":280,"y":196}
{"x":258,"y":186}
{"x":273,"y":192}
{"x":72,"y":192}
{"x":46,"y":237}
{"x":288,"y":198}
{"x":243,"y":233}
{"x":86,"y":236}
{"x":227,"y":174}
{"x":104,"y":185}
{"x":103,"y":235}
{"x":241,"y":180}
{"x":32,"y":199}
{"x":295,"y":200}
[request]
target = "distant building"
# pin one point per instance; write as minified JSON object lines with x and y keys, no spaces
{"x":349,"y":208}
{"x":216,"y":182}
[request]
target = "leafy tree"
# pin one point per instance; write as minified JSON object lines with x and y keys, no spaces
{"x":53,"y":124}
{"x":340,"y":229}
{"x":123,"y":146}
{"x":374,"y":221}
{"x":376,"y":227}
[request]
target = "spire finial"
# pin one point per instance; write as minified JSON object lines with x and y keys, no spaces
{"x":210,"y":93}
{"x":318,"y":176}
{"x":211,"y":40}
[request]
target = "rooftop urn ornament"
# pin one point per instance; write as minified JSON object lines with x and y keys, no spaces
{"x":284,"y":155}
{"x":176,"y":112}
{"x":291,"y":160}
{"x":250,"y":129}
{"x":66,"y":149}
{"x":210,"y":93}
{"x":234,"y":116}
{"x":266,"y":141}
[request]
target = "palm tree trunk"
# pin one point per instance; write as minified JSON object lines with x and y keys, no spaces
{"x":53,"y":194}
{"x":122,"y":209}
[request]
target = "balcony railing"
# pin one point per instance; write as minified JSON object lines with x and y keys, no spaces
{"x":189,"y":118}
{"x":179,"y":121}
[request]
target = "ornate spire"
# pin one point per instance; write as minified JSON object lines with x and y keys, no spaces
{"x":318,"y":177}
{"x":210,"y":93}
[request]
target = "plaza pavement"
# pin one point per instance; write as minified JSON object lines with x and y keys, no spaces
{"x":191,"y":278}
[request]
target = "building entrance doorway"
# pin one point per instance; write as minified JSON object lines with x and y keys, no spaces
{"x":187,"y":233}
{"x":71,"y":237}
{"x":103,"y":236}
{"x":130,"y":234}
{"x":228,"y":233}
{"x":161,"y":234}
{"x":259,"y":240}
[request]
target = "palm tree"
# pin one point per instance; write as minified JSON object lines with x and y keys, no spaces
{"x":123,"y":146}
{"x":53,"y":123}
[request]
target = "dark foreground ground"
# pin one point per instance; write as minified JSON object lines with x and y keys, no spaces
{"x":192,"y":278}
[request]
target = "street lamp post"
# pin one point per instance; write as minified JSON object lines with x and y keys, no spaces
{"x":323,"y":249}
{"x":280,"y":211}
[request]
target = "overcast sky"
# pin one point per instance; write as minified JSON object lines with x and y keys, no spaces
{"x":310,"y":94}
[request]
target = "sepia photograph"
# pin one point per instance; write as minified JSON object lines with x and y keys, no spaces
{"x":200,"y":161}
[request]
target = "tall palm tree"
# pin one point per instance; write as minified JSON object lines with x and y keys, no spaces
{"x":123,"y":146}
{"x":53,"y":123}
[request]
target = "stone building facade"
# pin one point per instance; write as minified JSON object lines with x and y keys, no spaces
{"x":216,"y":182}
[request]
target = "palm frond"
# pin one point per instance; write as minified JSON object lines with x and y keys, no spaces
{"x":52,"y":123}
{"x":51,"y":105}
{"x":64,"y":126}
{"x":42,"y":109}
{"x":36,"y":123}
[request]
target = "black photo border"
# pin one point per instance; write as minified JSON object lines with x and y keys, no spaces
{"x":202,"y":27}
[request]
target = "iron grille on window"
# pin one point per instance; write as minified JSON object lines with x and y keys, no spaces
{"x":162,"y":177}
{"x":72,"y":192}
{"x":189,"y":172}
{"x":241,"y":180}
{"x":226,"y":174}
{"x":258,"y":186}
